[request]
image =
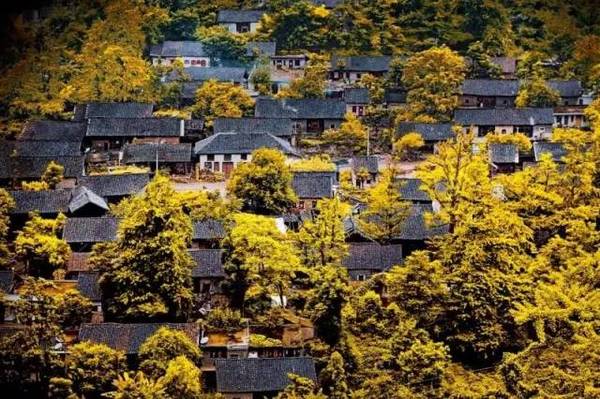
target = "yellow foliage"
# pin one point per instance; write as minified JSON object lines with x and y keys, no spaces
{"x":522,"y":141}
{"x":317,"y":163}
{"x":407,"y":144}
{"x":221,"y":99}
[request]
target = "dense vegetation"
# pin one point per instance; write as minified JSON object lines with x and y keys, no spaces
{"x":505,"y":305}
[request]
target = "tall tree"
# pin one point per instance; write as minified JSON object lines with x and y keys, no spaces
{"x":221,"y":99}
{"x":433,"y":79}
{"x":151,"y":277}
{"x":333,"y":378}
{"x":7,"y":203}
{"x":323,"y":241}
{"x":350,"y":137}
{"x":314,"y":81}
{"x":163,"y":346}
{"x":263,"y":185}
{"x":258,"y":257}
{"x":386,"y":212}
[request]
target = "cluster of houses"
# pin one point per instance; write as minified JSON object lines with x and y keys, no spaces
{"x":102,"y":136}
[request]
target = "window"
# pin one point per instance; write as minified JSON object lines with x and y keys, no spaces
{"x":208,"y":165}
{"x":216,"y":166}
{"x":354,"y":110}
{"x":358,"y":76}
{"x":332,"y":126}
{"x":227,"y":157}
{"x":210,"y":157}
{"x":301,"y":204}
{"x":244,"y":157}
{"x":187,"y":61}
{"x":361,"y":277}
{"x":297,"y":62}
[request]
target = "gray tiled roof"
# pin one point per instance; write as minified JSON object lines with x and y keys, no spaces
{"x":415,"y":227}
{"x":115,"y":185}
{"x":567,"y":88}
{"x":146,"y":153}
{"x":557,"y":150}
{"x":209,"y":263}
{"x":134,"y":127}
{"x":90,"y":230}
{"x":372,"y":256}
{"x":371,"y":163}
{"x":508,"y":65}
{"x":81,"y":196}
{"x":113,"y":110}
{"x":410,"y":190}
{"x":504,"y":153}
{"x":314,"y":185}
{"x":278,"y":127}
{"x":307,"y":108}
{"x":261,"y":374}
{"x":129,"y":337}
{"x":241,"y":143}
{"x":428,"y":131}
{"x":239,"y":16}
{"x":504,"y":116}
{"x":221,"y":74}
{"x":34,"y":167}
{"x":395,"y":96}
{"x":59,"y":131}
{"x":362,"y":63}
{"x":261,"y":48}
{"x":490,"y":87}
{"x":209,"y":229}
{"x":185,"y":48}
{"x":357,"y":95}
{"x":44,"y":202}
{"x":6,"y":281}
{"x":87,"y":284}
{"x":47,"y":149}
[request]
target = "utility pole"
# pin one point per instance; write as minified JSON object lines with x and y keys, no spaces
{"x":368,"y":141}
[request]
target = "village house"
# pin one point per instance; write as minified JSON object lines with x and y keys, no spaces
{"x":238,"y":76}
{"x":504,"y":158}
{"x":207,"y":234}
{"x":431,"y":133}
{"x":351,"y":69}
{"x":81,"y":233}
{"x":557,"y":151}
{"x":282,"y":128}
{"x":289,"y":61}
{"x":113,"y":188}
{"x":488,"y":93}
{"x":112,"y":110}
{"x":177,"y":158}
{"x":207,"y":275}
{"x":129,"y":337}
{"x":394,"y":97}
{"x":105,"y":134}
{"x":311,"y":187}
{"x":310,"y":116}
{"x":249,"y":378}
{"x":368,"y":258}
{"x":357,"y":100}
{"x":88,"y":286}
{"x":239,"y":21}
{"x":365,"y":170}
{"x":535,"y":123}
{"x":261,"y":49}
{"x":191,"y":53}
{"x":222,"y":152}
{"x":410,"y":190}
{"x":508,"y":66}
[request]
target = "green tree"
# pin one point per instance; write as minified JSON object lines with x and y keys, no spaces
{"x":7,"y":203}
{"x":137,"y":387}
{"x":536,"y":93}
{"x":386,"y":212}
{"x":92,"y":368}
{"x":333,"y":378}
{"x":163,"y":346}
{"x":221,"y":99}
{"x":351,"y":136}
{"x":261,"y":77}
{"x":258,"y":257}
{"x":151,"y":278}
{"x":53,"y":174}
{"x":29,"y":349}
{"x":74,"y":309}
{"x":314,"y":81}
{"x":322,"y":241}
{"x":326,"y":301}
{"x":263,"y":185}
{"x":433,"y":79}
{"x":300,"y":388}
{"x":181,"y":379}
{"x":298,"y":25}
{"x":38,"y":245}
{"x":220,"y":44}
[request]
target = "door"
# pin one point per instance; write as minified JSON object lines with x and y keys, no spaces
{"x":227,"y":168}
